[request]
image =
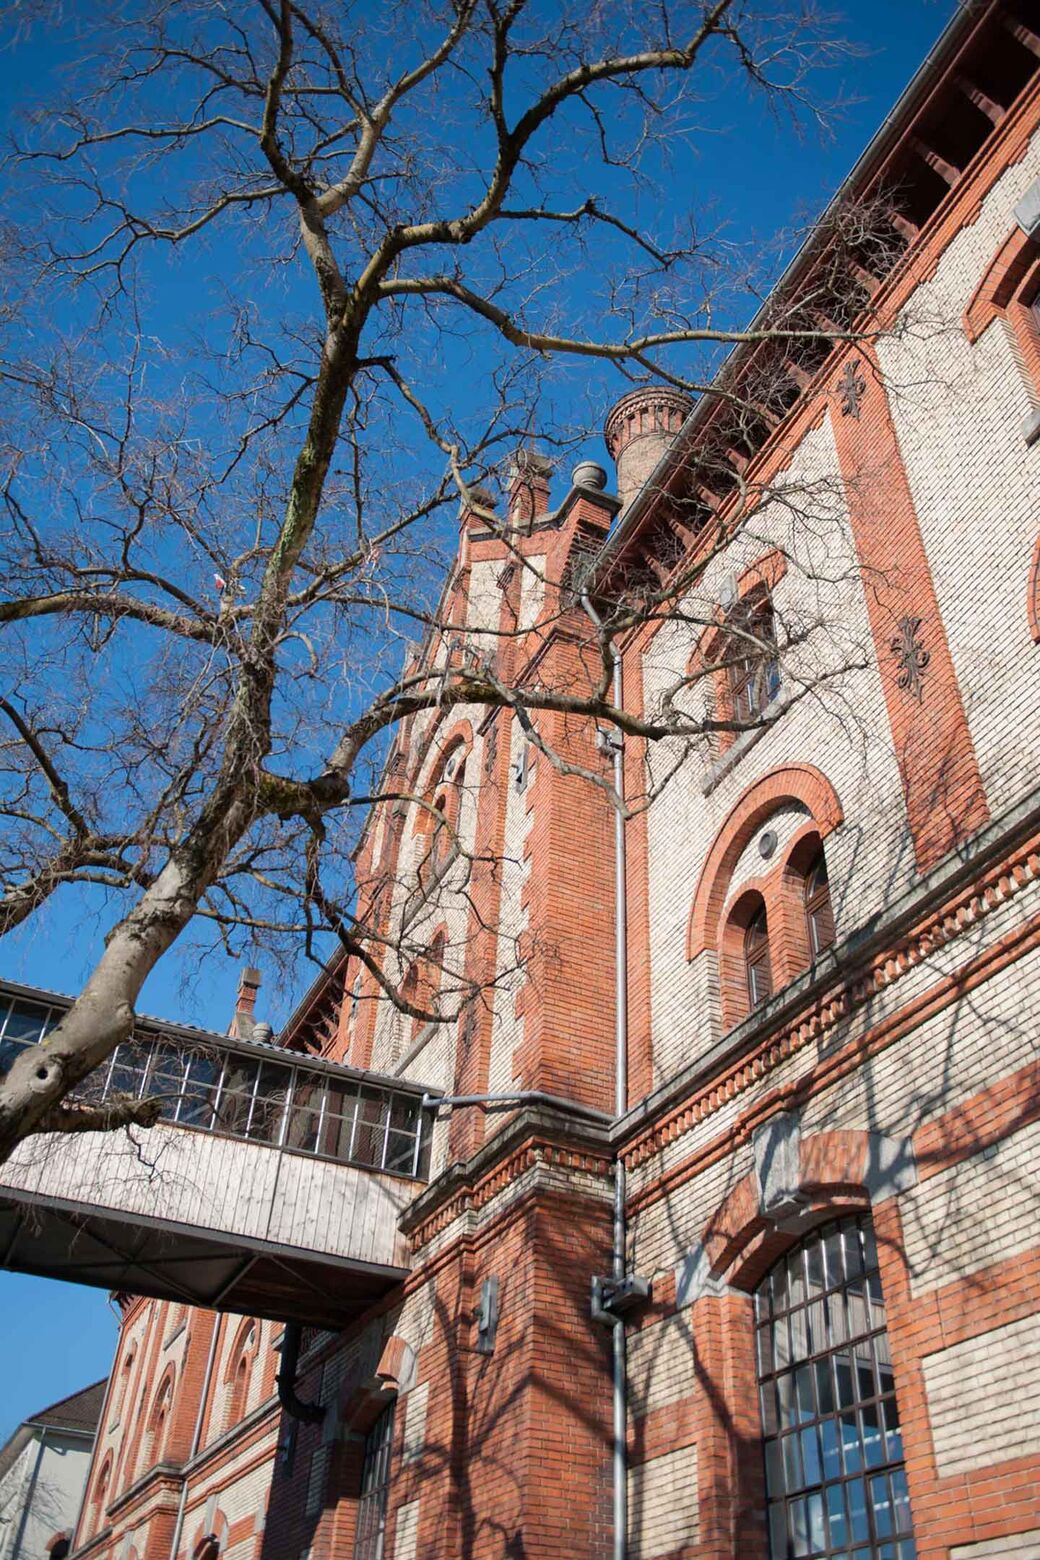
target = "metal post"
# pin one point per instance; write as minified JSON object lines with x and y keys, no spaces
{"x":618,"y":1341}
{"x":419,"y":1121}
{"x":196,"y":1436}
{"x":27,"y":1504}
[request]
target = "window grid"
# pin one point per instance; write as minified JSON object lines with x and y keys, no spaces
{"x":754,"y":676}
{"x":235,"y":1094}
{"x":375,"y":1488}
{"x":835,"y":1481}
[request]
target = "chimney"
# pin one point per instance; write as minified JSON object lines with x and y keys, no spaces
{"x":243,"y":1023}
{"x":528,"y":488}
{"x":639,"y":429}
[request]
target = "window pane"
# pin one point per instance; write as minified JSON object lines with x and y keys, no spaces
{"x":26,"y":1022}
{"x":375,"y":1485}
{"x":272,"y":1094}
{"x":165,"y":1080}
{"x":196,"y":1108}
{"x":833,"y":1454}
{"x":129,"y":1066}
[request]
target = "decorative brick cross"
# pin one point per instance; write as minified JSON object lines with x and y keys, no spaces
{"x":852,"y":386}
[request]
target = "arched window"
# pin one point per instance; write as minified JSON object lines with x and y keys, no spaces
{"x":124,"y":1385}
{"x":153,"y":1448}
{"x":819,"y":914}
{"x":101,"y":1491}
{"x":443,"y":829}
{"x":835,"y":1482}
{"x":756,"y":959}
{"x":238,"y":1376}
{"x":207,"y":1548}
{"x":752,"y":663}
{"x":375,"y":1487}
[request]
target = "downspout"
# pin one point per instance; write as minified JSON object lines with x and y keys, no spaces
{"x":309,"y":1413}
{"x":618,"y":1261}
{"x":27,"y":1503}
{"x":434,"y":1102}
{"x":196,"y":1436}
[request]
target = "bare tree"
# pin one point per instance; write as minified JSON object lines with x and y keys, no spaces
{"x":286,"y":286}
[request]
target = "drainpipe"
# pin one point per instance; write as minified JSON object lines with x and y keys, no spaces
{"x":618,"y":1263}
{"x":310,"y":1413}
{"x":433,"y":1102}
{"x":196,"y":1436}
{"x":27,"y":1503}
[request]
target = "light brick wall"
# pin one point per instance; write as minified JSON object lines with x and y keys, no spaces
{"x":984,"y":1397}
{"x":415,"y":1405}
{"x":841,"y":728}
{"x":1019,"y":1546}
{"x":958,"y":413}
{"x":507,"y":1031}
{"x":406,"y":1535}
{"x":662,"y":1364}
{"x":662,"y":1504}
{"x":981,"y":1211}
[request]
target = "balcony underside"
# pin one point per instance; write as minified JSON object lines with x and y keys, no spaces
{"x":219,"y":1222}
{"x":146,"y":1257}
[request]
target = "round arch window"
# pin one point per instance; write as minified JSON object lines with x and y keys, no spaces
{"x":757,"y":965}
{"x":819,"y":913}
{"x":835,"y":1481}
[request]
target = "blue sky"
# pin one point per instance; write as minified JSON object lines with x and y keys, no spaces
{"x":58,"y":1337}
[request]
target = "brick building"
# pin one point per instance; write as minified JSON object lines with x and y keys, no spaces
{"x":828,"y":995}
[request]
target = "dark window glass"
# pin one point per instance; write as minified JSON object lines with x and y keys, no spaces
{"x":375,"y":1486}
{"x":756,"y":959}
{"x":272,"y":1092}
{"x":25,"y":1024}
{"x":819,"y":913}
{"x":196,"y":1108}
{"x":754,"y":669}
{"x":236,"y":1096}
{"x":165,"y":1080}
{"x":372,"y":1125}
{"x":306,"y":1114}
{"x":835,"y":1481}
{"x":129,"y":1066}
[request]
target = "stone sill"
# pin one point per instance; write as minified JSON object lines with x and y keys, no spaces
{"x":743,"y":744}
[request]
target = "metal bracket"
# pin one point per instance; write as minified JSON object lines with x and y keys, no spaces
{"x":487,"y":1316}
{"x":613,"y":1297}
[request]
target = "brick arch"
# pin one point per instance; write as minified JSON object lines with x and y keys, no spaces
{"x":1001,"y":280}
{"x":238,"y":1370}
{"x":210,"y":1541}
{"x":733,"y":974}
{"x":802,"y":783}
{"x":768,"y":570}
{"x":163,"y":1398}
{"x":837,"y":1175}
{"x":459,"y":735}
{"x":102,"y":1491}
{"x":394,"y":1376}
{"x":444,"y":735}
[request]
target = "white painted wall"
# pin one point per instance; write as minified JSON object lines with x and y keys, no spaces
{"x":41,"y":1493}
